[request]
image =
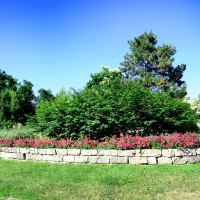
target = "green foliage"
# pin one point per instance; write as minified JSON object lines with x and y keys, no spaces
{"x":99,"y":112}
{"x":161,"y":113}
{"x":104,"y":77}
{"x":152,"y":66}
{"x":50,"y":116}
{"x":104,"y":109}
{"x":7,"y":81}
{"x":27,"y":101}
{"x":17,"y":131}
{"x":17,"y":101}
{"x":9,"y":105}
{"x":45,"y":95}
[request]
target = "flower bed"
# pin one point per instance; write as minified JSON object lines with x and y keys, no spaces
{"x":126,"y":149}
{"x":124,"y":142}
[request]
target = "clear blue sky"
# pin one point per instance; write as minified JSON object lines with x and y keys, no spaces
{"x":59,"y":43}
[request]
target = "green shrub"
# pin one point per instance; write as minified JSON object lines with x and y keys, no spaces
{"x":103,"y":111}
{"x":109,"y":106}
{"x":161,"y":113}
{"x":50,"y":116}
{"x":9,"y":105}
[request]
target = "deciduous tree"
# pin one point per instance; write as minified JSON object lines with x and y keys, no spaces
{"x":17,"y":101}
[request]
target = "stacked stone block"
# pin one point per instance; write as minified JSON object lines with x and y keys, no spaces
{"x":133,"y":157}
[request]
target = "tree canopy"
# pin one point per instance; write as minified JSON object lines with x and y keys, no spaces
{"x":17,"y":101}
{"x":152,"y":66}
{"x":45,"y":95}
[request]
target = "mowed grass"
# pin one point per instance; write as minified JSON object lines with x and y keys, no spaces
{"x":37,"y":180}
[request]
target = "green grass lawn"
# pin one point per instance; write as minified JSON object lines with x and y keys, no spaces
{"x":35,"y":180}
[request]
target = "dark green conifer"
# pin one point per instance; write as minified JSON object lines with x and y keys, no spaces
{"x":152,"y":66}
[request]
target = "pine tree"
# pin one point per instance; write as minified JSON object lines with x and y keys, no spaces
{"x":152,"y":66}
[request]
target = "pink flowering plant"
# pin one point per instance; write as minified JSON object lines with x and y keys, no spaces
{"x":124,"y":142}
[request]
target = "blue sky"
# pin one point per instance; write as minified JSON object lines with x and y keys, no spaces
{"x":59,"y":43}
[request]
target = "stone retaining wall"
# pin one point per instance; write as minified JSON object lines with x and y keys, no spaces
{"x":134,"y":157}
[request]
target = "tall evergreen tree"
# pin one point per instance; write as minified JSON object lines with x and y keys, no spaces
{"x":152,"y":66}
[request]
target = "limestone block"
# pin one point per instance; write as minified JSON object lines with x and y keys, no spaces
{"x":74,"y":152}
{"x":14,"y":150}
{"x":138,"y":153}
{"x":10,"y":155}
{"x":68,"y":159}
{"x":33,"y":150}
{"x":168,"y":153}
{"x":179,"y":153}
{"x":93,"y":159}
{"x":57,"y":158}
{"x":178,"y":160}
{"x":61,"y":152}
{"x":36,"y":151}
{"x":138,"y":160}
{"x":81,"y":159}
{"x":38,"y":157}
{"x":164,"y":160}
{"x":100,"y":152}
{"x":192,"y":152}
{"x":126,"y":153}
{"x":6,"y":155}
{"x":2,"y":154}
{"x":42,"y":151}
{"x":110,"y":152}
{"x":190,"y":159}
{"x":89,"y":152}
{"x":152,"y":160}
{"x":21,"y":156}
{"x":104,"y":159}
{"x":14,"y":155}
{"x":150,"y":153}
{"x":30,"y":157}
{"x":23,"y":150}
{"x":114,"y":159}
{"x":197,"y":158}
{"x":51,"y":152}
{"x":198,"y":151}
{"x":6,"y":149}
{"x":47,"y":157}
{"x":27,"y":150}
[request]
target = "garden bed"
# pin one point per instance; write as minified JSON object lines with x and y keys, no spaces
{"x":126,"y":149}
{"x":123,"y":142}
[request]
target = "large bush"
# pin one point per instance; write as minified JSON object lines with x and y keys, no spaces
{"x":50,"y":116}
{"x":108,"y":107}
{"x":104,"y":110}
